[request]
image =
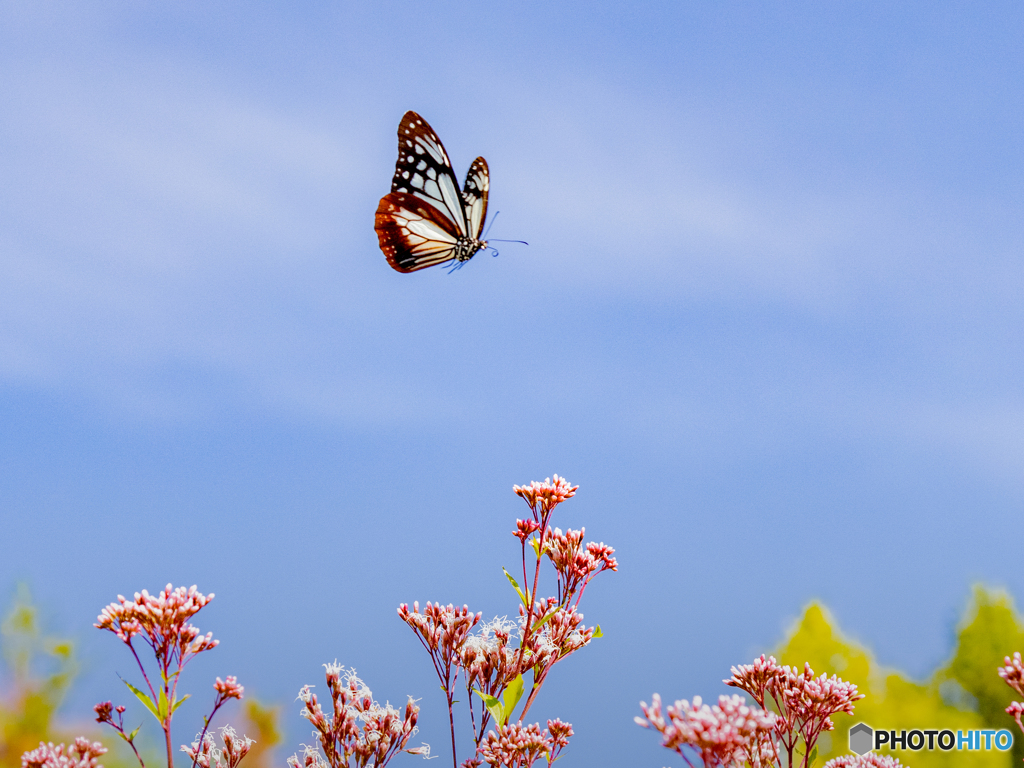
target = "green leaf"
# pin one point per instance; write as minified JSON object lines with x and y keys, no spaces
{"x":513,"y":693}
{"x":146,"y":701}
{"x":814,"y":756}
{"x":493,"y":706}
{"x":543,"y":621}
{"x":179,"y":702}
{"x":515,"y":585}
{"x":598,"y":632}
{"x":131,"y":736}
{"x":162,"y":706}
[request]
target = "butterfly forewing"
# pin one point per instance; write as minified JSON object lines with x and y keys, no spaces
{"x":474,"y":193}
{"x":426,"y":220}
{"x":424,"y":170}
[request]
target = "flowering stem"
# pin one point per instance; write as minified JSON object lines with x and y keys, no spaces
{"x":142,"y":669}
{"x":166,"y":725}
{"x":105,"y":715}
{"x":530,"y":606}
{"x":451,"y":723}
{"x":538,"y":681}
{"x":206,"y":725}
{"x":167,"y":740}
{"x":137,"y":755}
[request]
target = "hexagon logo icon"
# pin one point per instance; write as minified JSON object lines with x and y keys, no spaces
{"x":861,"y":738}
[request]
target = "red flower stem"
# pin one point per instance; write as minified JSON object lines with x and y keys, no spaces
{"x":524,"y":561}
{"x":137,"y":755}
{"x":472,"y":712}
{"x":533,"y":593}
{"x":142,"y":669}
{"x":537,"y":683}
{"x":166,"y":726}
{"x":216,"y":705}
{"x":119,"y":727}
{"x":451,"y":723}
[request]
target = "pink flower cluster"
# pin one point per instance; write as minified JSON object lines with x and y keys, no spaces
{"x":358,"y":731}
{"x":81,"y":754}
{"x":1012,"y":673}
{"x":544,"y":497}
{"x":561,"y":633}
{"x":487,"y":657}
{"x":729,"y":733}
{"x":163,"y":623}
{"x":870,"y":760}
{"x":442,"y":629}
{"x":205,"y":753}
{"x":520,"y":746}
{"x":105,"y":712}
{"x":576,"y":564}
{"x":733,"y":733}
{"x":501,"y":652}
{"x":229,"y":689}
{"x":805,"y":703}
{"x":163,"y":620}
{"x":490,"y":662}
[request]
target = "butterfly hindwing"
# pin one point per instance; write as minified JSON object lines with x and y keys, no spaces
{"x":413,"y":234}
{"x":427,"y":220}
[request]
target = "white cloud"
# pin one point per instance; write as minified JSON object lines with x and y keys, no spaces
{"x":174,"y":240}
{"x":147,"y":223}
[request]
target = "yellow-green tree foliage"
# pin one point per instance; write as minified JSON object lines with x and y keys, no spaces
{"x":41,"y":669}
{"x":40,"y":672}
{"x":893,"y":701}
{"x":990,"y":630}
{"x":261,"y":723}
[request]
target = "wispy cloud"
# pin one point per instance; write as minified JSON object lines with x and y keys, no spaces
{"x":171,"y":238}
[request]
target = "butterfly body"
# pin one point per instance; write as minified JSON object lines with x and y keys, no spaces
{"x":426,"y":219}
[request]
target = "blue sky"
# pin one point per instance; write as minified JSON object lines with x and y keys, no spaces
{"x":769,"y":319}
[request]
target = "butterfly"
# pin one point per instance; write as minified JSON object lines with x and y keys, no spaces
{"x":426,"y":219}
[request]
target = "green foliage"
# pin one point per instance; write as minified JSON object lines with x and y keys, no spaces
{"x":502,"y":710}
{"x":990,"y":630}
{"x":42,"y":669}
{"x":965,"y":693}
{"x":515,"y":584}
{"x":893,"y":701}
{"x":262,"y":723}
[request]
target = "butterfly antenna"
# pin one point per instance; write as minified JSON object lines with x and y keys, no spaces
{"x":493,"y":219}
{"x":495,"y":216}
